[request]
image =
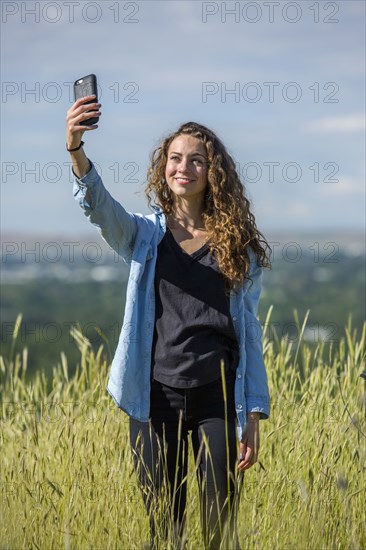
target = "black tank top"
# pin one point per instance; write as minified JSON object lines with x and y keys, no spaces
{"x":193,"y":327}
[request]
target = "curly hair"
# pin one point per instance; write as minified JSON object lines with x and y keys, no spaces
{"x":227,"y":217}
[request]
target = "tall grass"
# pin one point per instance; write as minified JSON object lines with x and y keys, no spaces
{"x":67,"y":475}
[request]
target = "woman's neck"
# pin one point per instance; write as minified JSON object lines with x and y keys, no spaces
{"x":190,"y":219}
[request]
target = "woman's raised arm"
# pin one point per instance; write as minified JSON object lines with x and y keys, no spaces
{"x":117,"y":226}
{"x":78,"y":112}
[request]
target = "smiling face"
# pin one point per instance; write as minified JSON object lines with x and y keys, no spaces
{"x":186,"y":167}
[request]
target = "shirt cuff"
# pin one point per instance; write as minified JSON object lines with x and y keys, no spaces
{"x":85,"y":175}
{"x":85,"y":183}
{"x":263,"y":411}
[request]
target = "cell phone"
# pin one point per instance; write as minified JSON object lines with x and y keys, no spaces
{"x":87,"y":85}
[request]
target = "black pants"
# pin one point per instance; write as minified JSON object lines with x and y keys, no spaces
{"x":160,"y":451}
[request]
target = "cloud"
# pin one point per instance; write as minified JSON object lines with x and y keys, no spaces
{"x":346,"y":186}
{"x":339,"y":124}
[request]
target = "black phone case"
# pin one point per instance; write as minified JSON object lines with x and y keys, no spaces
{"x":87,"y":85}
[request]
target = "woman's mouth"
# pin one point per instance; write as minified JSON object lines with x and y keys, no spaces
{"x":182,"y":181}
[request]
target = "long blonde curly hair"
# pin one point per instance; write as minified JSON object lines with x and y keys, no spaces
{"x":227,"y":217}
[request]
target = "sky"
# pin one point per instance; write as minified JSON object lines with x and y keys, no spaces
{"x":281,"y":83}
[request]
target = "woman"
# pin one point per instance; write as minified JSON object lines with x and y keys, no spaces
{"x":189,"y":356}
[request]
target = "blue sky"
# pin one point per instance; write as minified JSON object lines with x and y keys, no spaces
{"x":179,"y":60}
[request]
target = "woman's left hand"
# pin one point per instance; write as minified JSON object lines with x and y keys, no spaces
{"x":249,"y":446}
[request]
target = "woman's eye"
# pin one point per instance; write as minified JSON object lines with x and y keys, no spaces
{"x":196,"y":162}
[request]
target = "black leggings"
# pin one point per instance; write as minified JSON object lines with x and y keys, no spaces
{"x":160,"y":451}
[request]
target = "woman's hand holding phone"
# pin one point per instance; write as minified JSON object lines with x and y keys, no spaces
{"x":77,"y":113}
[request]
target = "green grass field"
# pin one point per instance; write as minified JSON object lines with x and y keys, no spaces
{"x":67,"y":478}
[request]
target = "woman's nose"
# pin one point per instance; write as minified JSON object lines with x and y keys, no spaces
{"x":182,"y":166}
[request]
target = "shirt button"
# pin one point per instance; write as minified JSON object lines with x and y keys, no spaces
{"x":239,"y":375}
{"x":239,"y":407}
{"x":234,"y":318}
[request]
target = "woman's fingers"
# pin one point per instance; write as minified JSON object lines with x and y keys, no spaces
{"x":78,"y":112}
{"x":85,"y":128}
{"x":78,"y":103}
{"x":83,"y":108}
{"x":83,"y":112}
{"x":249,"y":451}
{"x":82,"y":100}
{"x":247,"y":462}
{"x":86,"y":115}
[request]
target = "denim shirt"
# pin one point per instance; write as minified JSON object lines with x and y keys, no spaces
{"x":135,"y":237}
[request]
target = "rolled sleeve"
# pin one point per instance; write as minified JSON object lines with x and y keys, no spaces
{"x":80,"y":187}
